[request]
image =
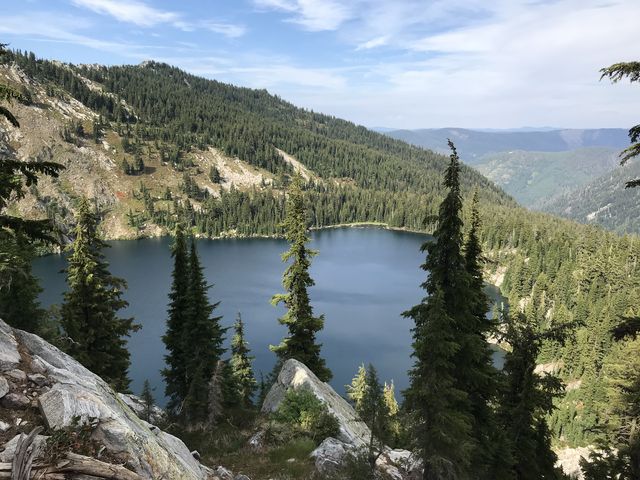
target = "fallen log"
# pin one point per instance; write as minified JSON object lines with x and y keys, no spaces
{"x":73,"y":464}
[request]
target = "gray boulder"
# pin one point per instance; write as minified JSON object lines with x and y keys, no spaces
{"x":76,"y":392}
{"x":330,"y":455}
{"x":296,"y":375}
{"x":354,"y":434}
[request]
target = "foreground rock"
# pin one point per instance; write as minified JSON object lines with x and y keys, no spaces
{"x":354,"y":434}
{"x":58,"y":389}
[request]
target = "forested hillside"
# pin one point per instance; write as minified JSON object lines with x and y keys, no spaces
{"x":603,"y":201}
{"x":154,"y":146}
{"x":537,"y":178}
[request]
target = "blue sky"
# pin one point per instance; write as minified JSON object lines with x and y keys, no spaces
{"x":394,"y":63}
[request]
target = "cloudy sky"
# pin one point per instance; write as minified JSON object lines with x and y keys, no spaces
{"x":393,"y":63}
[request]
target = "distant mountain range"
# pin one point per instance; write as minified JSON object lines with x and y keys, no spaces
{"x":473,"y":145}
{"x":569,"y":172}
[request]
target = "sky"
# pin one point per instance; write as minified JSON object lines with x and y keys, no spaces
{"x":379,"y":63}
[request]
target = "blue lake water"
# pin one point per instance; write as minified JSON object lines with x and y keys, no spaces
{"x":365,"y":278}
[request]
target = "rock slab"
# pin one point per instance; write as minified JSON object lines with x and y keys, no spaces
{"x":77,"y":392}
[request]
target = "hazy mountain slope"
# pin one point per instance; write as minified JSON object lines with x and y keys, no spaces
{"x":473,"y":144}
{"x":535,"y":178}
{"x":604,"y":201}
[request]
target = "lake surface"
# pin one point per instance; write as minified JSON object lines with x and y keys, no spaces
{"x":365,"y":278}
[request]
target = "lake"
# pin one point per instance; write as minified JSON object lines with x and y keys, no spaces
{"x":365,"y":278}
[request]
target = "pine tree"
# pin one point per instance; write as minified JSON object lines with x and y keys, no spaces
{"x":393,"y":410}
{"x":480,"y":376}
{"x":19,"y":304}
{"x":241,"y":369}
{"x":215,"y":394}
{"x":442,"y":424}
{"x":204,"y":337}
{"x":303,"y":326}
{"x":95,"y":334}
{"x":175,"y":372}
{"x":445,"y":344}
{"x":356,"y":390}
{"x":147,"y":400}
{"x":374,"y":413}
{"x":527,"y":401}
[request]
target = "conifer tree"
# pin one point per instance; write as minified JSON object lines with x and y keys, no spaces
{"x":147,"y":400}
{"x":444,"y":346}
{"x":215,"y":396}
{"x":175,"y":372}
{"x":241,"y":369}
{"x":393,"y":409}
{"x":373,"y":411}
{"x":203,"y":337}
{"x":528,"y":400}
{"x":95,"y":333}
{"x":442,"y":424}
{"x":19,"y":304}
{"x":480,"y":376}
{"x":299,"y":319}
{"x":356,"y":390}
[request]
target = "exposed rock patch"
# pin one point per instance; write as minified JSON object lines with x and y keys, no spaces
{"x":75,"y":392}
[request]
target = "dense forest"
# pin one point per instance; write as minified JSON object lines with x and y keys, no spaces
{"x":556,"y":272}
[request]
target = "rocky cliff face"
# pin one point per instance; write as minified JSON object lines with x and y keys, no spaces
{"x":40,"y":385}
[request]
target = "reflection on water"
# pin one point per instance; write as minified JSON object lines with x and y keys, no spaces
{"x":365,"y":278}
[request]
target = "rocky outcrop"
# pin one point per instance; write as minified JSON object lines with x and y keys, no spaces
{"x":354,"y":434}
{"x":295,"y":374}
{"x":54,"y":390}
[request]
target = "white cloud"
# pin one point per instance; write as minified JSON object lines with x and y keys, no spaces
{"x":143,"y":15}
{"x":373,"y":43}
{"x":129,"y":11}
{"x":312,"y":15}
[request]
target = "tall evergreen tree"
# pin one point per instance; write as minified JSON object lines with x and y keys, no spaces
{"x":480,"y":378}
{"x":373,"y":411}
{"x":95,"y":333}
{"x":528,"y":400}
{"x":16,"y":234}
{"x":357,"y":388}
{"x":204,"y":337}
{"x":302,"y":324}
{"x":449,"y":349}
{"x":147,"y":400}
{"x":442,"y":424}
{"x":241,"y":369}
{"x":175,"y":372}
{"x":19,"y":304}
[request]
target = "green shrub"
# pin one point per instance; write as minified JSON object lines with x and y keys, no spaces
{"x":310,"y":416}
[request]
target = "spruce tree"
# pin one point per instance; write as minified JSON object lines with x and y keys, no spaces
{"x":480,"y":376}
{"x":19,"y":304}
{"x":147,"y":400}
{"x":95,"y":334}
{"x":442,"y":424}
{"x":527,"y":400}
{"x":356,"y":390}
{"x":204,"y":337}
{"x":373,"y":411}
{"x":299,"y":319}
{"x":241,"y":369}
{"x":445,"y":346}
{"x":175,"y":372}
